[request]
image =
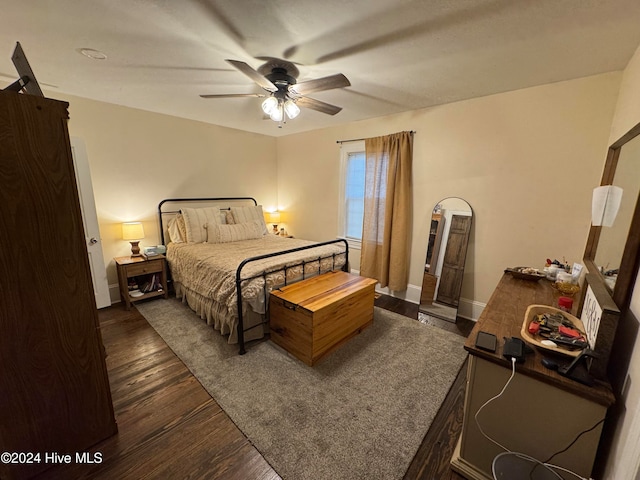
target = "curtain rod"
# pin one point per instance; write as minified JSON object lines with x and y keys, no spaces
{"x":360,"y":139}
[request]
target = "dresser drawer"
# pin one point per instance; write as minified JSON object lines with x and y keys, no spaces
{"x":151,"y":266}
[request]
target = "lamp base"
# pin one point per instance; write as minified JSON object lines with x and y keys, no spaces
{"x":135,"y":249}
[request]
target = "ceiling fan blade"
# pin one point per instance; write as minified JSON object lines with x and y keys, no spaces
{"x":233,"y":95}
{"x":253,"y":75}
{"x":325,"y":83}
{"x":318,"y":105}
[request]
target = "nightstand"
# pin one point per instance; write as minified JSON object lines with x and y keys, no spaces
{"x":154,"y":267}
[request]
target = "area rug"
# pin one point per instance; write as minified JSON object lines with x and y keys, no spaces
{"x":360,"y":413}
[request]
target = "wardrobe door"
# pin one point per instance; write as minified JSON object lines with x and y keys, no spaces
{"x":54,"y":390}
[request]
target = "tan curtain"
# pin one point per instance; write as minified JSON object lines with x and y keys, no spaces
{"x":386,"y":231}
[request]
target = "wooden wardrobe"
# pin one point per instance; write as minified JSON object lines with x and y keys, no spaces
{"x":54,"y":389}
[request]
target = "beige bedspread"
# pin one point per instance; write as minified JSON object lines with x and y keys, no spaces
{"x":204,"y":276}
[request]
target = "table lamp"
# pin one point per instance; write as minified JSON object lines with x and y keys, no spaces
{"x":274,"y":218}
{"x":133,"y":232}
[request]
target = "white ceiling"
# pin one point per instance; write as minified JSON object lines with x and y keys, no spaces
{"x":399,"y":56}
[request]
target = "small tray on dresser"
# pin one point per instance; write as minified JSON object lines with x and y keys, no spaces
{"x":517,"y":272}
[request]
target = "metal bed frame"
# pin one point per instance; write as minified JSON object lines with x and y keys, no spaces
{"x":238,"y":277}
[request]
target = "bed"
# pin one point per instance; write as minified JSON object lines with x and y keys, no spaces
{"x":223,"y":261}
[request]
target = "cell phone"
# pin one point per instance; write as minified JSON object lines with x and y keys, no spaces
{"x":486,"y":341}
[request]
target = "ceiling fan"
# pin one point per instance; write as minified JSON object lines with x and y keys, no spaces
{"x":284,"y":94}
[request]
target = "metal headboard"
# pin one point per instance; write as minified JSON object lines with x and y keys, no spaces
{"x":166,"y":207}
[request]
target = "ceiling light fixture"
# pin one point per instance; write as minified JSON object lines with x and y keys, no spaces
{"x":269,"y":105}
{"x":280,"y":104}
{"x":292,"y":110}
{"x":92,"y":53}
{"x":277,"y":115}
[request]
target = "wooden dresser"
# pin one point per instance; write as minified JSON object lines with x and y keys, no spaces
{"x":54,"y":390}
{"x":541,"y":412}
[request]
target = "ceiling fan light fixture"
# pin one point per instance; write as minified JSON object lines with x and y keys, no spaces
{"x":269,"y":105}
{"x":277,"y":114}
{"x":279,"y":79}
{"x":292,"y":110}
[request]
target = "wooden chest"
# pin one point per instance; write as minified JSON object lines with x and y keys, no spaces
{"x":312,"y":318}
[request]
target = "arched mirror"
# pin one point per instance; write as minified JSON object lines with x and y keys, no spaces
{"x":612,"y":252}
{"x":449,"y":231}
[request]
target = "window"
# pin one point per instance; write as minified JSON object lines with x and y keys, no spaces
{"x":352,"y":192}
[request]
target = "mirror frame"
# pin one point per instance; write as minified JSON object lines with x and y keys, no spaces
{"x":427,"y":311}
{"x":631,"y":255}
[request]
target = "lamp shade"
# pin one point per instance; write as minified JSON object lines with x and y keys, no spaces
{"x":274,"y":217}
{"x":269,"y":104}
{"x":291,"y":108}
{"x":277,"y":114}
{"x":132,"y":231}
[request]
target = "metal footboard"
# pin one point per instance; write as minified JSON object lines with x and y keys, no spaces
{"x":240,"y":280}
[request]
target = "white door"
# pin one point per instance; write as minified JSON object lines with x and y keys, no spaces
{"x":90,"y":221}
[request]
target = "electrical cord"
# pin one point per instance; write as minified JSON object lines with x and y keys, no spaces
{"x":513,"y":373}
{"x":574,"y":441}
{"x":535,"y":463}
{"x":522,"y":455}
{"x":558,"y":467}
{"x":550,"y":468}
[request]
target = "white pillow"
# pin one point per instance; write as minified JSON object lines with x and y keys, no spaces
{"x":248,"y":214}
{"x":233,"y":233}
{"x":197,"y":220}
{"x":228,"y":216}
{"x":174,"y":232}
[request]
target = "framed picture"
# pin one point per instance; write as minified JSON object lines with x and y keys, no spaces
{"x":600,"y":316}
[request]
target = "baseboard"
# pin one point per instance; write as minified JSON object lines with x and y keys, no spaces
{"x":114,"y":293}
{"x":469,"y":309}
{"x":411,"y":294}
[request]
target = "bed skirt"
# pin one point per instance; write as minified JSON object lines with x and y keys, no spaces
{"x":217,"y":315}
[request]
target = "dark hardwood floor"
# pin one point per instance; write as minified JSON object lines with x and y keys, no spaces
{"x":170,"y":427}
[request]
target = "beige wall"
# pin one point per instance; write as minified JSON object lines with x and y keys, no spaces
{"x":624,"y":458}
{"x":138,"y":158}
{"x":526,"y":161}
